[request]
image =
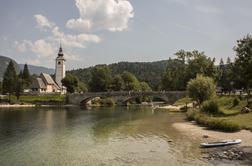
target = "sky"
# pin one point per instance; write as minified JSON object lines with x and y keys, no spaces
{"x":108,"y":31}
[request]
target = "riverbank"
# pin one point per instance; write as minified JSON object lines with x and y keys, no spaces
{"x":195,"y":131}
{"x":236,"y":155}
{"x":31,"y":105}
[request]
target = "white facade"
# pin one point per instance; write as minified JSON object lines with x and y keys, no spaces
{"x":60,"y":71}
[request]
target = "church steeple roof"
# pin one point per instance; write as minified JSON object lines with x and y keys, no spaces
{"x":60,"y":51}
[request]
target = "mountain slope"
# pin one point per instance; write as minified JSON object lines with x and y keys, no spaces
{"x":151,"y":72}
{"x":38,"y":69}
{"x":4,"y":61}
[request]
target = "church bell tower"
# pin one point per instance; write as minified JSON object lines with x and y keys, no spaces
{"x":60,"y":71}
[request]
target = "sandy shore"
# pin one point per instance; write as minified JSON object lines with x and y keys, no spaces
{"x":16,"y":105}
{"x":170,"y":107}
{"x":193,"y":130}
{"x":174,"y":107}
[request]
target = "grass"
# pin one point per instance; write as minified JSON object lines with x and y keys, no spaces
{"x":183,"y":101}
{"x":230,"y":119}
{"x":32,"y":99}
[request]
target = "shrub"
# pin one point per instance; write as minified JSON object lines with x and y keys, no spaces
{"x":236,"y":101}
{"x":107,"y":102}
{"x":210,"y":106}
{"x":201,"y":88}
{"x":212,"y":123}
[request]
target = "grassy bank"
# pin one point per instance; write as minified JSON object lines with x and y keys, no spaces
{"x":228,"y":119}
{"x":45,"y":99}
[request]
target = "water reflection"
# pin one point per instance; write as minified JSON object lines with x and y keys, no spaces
{"x":97,"y":136}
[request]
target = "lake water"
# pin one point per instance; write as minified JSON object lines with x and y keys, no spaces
{"x":98,"y":136}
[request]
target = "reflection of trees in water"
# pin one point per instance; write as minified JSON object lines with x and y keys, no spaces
{"x":20,"y":123}
{"x":131,"y":122}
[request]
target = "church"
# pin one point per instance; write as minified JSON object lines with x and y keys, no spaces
{"x":45,"y":84}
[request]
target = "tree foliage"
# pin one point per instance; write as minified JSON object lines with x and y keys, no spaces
{"x":117,"y":83}
{"x":26,"y":76}
{"x":185,"y":67}
{"x":100,"y":78}
{"x":201,"y":88}
{"x":10,"y":79}
{"x":70,"y":82}
{"x":243,"y":63}
{"x":130,"y":81}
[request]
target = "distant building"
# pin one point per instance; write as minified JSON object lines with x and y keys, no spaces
{"x":46,"y":84}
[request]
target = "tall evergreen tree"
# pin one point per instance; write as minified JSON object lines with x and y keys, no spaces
{"x":10,"y":80}
{"x":26,"y":76}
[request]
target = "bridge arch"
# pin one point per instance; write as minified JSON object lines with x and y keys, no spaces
{"x":163,"y":98}
{"x":123,"y":96}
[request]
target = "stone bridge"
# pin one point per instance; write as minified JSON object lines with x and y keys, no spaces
{"x":121,"y":97}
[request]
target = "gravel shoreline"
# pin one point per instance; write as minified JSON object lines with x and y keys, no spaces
{"x":241,"y":153}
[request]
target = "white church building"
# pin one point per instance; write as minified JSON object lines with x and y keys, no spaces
{"x":46,"y":84}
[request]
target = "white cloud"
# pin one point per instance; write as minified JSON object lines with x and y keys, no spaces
{"x":22,"y":46}
{"x":40,"y":47}
{"x":42,"y":22}
{"x":112,"y":15}
{"x":77,"y":41}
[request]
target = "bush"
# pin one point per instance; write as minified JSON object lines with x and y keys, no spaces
{"x":107,"y":102}
{"x":190,"y":114}
{"x":212,"y":123}
{"x":210,"y":106}
{"x":236,"y":101}
{"x":201,"y":88}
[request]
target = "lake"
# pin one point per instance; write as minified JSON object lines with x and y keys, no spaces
{"x":98,"y":136}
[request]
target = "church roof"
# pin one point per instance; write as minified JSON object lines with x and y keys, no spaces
{"x":38,"y":83}
{"x":47,"y":78}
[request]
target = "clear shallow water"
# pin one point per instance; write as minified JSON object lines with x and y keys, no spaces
{"x":100,"y":136}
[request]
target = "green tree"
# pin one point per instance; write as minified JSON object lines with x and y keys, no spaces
{"x":130,"y":81}
{"x":174,"y":76}
{"x":26,"y":76}
{"x":145,"y":86}
{"x":199,"y":63}
{"x":10,"y":80}
{"x":100,"y":79}
{"x":1,"y":87}
{"x":243,"y":63}
{"x":117,"y":83}
{"x":201,"y":88}
{"x":82,"y":87}
{"x":70,"y":82}
{"x":19,"y":88}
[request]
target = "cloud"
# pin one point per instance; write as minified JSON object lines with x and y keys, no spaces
{"x":112,"y":15}
{"x":22,"y":46}
{"x":43,"y":23}
{"x":40,"y":47}
{"x":44,"y":47}
{"x":76,"y":41}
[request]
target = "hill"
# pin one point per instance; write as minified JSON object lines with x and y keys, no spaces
{"x":37,"y":69}
{"x":150,"y":72}
{"x":4,"y":61}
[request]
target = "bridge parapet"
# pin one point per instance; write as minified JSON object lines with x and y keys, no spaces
{"x":122,"y":96}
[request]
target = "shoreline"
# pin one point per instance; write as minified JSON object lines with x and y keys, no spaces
{"x":31,"y":105}
{"x":195,"y":131}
